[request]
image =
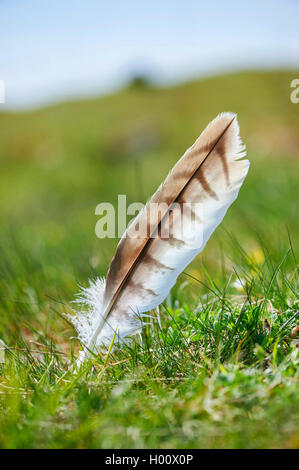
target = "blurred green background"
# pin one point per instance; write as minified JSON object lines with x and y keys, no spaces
{"x":59,"y":162}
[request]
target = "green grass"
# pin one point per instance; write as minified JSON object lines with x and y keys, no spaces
{"x":219,"y":368}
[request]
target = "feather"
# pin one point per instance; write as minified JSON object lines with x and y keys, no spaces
{"x":206,"y":179}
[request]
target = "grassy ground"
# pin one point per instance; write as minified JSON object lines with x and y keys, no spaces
{"x":219,"y":369}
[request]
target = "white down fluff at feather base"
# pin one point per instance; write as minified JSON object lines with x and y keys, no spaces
{"x":86,"y":319}
{"x":208,"y":176}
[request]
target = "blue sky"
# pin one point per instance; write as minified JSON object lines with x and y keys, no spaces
{"x":60,"y":49}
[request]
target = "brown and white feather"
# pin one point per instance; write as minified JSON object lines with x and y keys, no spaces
{"x":144,"y":268}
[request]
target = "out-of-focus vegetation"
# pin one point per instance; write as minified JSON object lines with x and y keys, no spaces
{"x":221,"y":370}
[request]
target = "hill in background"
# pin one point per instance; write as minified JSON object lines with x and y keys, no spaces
{"x":59,"y":162}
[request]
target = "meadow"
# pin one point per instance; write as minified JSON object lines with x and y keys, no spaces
{"x":218,"y":368}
